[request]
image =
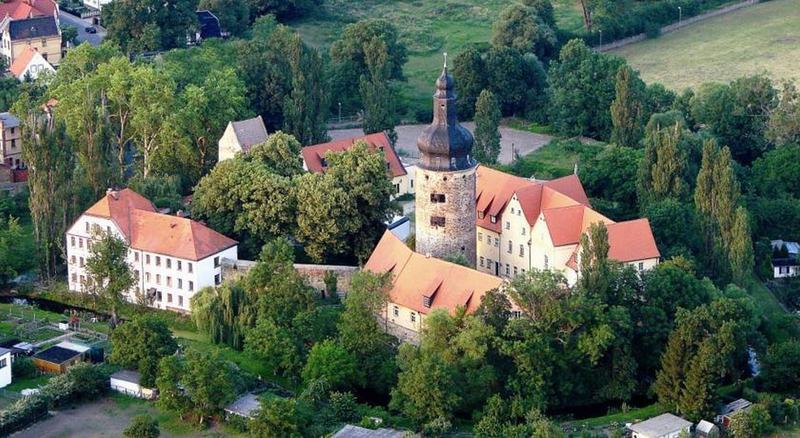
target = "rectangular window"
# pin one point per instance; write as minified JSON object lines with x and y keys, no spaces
{"x":395,"y":311}
{"x":72,"y":241}
{"x":523,"y":231}
{"x":72,"y":260}
{"x":546,"y":262}
{"x":493,"y":219}
{"x":158,"y":278}
{"x":216,"y":262}
{"x":508,"y":269}
{"x":136,"y":273}
{"x":83,"y":279}
{"x":74,"y":277}
{"x":158,"y":260}
{"x":87,"y":227}
{"x":169,"y":281}
{"x":641,"y":266}
{"x":169,"y":298}
{"x":482,"y":260}
{"x":3,"y":363}
{"x":147,"y":259}
{"x":481,"y":215}
{"x":180,"y":283}
{"x":158,"y":296}
{"x":512,"y":210}
{"x":147,"y":277}
{"x":437,"y":221}
{"x":180,"y":300}
{"x":413,"y":317}
{"x":179,"y":265}
{"x":496,"y":241}
{"x":515,"y":271}
{"x":169,"y":263}
{"x":80,"y":243}
{"x":217,"y":279}
{"x":89,"y":244}
{"x":480,"y":237}
{"x":191,"y":286}
{"x":510,"y":246}
{"x":190,"y":267}
{"x":136,"y":256}
{"x":437,"y":198}
{"x":81,"y":262}
{"x":426,"y":301}
{"x":521,"y":250}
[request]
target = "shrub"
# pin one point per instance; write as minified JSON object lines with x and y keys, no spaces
{"x":142,"y":426}
{"x":344,"y":406}
{"x":23,"y":367}
{"x":22,"y":413}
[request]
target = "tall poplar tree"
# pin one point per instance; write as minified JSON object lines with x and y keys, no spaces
{"x":306,"y":108}
{"x":661,"y":172}
{"x":627,"y":108}
{"x":377,"y":93}
{"x":487,"y":132}
{"x":740,"y":247}
{"x":49,"y":154}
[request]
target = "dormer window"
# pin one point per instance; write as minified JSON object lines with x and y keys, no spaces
{"x":323,"y":162}
{"x":493,"y":219}
{"x":426,"y":301}
{"x":481,"y":215}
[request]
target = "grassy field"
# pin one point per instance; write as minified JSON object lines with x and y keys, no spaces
{"x":762,"y":38}
{"x":427,"y":28}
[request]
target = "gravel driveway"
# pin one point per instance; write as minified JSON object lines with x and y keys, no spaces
{"x":522,"y":142}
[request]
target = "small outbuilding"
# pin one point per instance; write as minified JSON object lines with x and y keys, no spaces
{"x":56,"y":359}
{"x":245,"y":406}
{"x":731,"y":409}
{"x":5,"y":367}
{"x":350,"y":431}
{"x":662,"y":426}
{"x":706,"y":429}
{"x":128,"y":382}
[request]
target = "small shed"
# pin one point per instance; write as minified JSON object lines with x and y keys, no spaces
{"x":5,"y":367}
{"x":662,"y":426}
{"x":350,"y":431}
{"x":731,"y":409}
{"x":244,"y":406}
{"x":127,"y":382}
{"x":706,"y":429}
{"x":56,"y":359}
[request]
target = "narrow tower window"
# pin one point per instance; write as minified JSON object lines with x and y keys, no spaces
{"x":437,"y":198}
{"x":437,"y":221}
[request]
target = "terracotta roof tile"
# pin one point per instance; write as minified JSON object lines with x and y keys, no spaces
{"x":150,"y":231}
{"x":313,"y":155}
{"x":632,"y":240}
{"x":21,"y":62}
{"x":18,"y":9}
{"x":415,"y":276}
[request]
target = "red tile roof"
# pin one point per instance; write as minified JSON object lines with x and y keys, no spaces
{"x":631,"y":240}
{"x":19,"y":9}
{"x":313,"y":155}
{"x":415,"y":276}
{"x":21,"y":62}
{"x":567,"y":224}
{"x":150,"y":231}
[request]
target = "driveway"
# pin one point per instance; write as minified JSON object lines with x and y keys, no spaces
{"x":93,"y":38}
{"x":512,"y":140}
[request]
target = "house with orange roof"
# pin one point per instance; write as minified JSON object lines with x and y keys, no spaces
{"x":421,"y":284}
{"x":525,"y":224}
{"x":403,"y":180}
{"x":172,"y":257}
{"x":30,"y":64}
{"x":39,"y":32}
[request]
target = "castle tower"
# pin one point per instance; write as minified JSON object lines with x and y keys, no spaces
{"x":445,"y":194}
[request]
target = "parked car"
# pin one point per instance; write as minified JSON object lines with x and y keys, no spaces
{"x":91,"y":29}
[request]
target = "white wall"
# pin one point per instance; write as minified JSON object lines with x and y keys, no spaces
{"x":5,"y":370}
{"x":228,"y":144}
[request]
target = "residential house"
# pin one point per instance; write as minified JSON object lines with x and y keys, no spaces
{"x":525,"y":224}
{"x":19,"y":9}
{"x":662,"y":426}
{"x":96,"y":4}
{"x":240,"y":136}
{"x":5,"y":367}
{"x":172,"y":257}
{"x":29,"y":65}
{"x":128,"y":382}
{"x":314,"y":158}
{"x":10,"y":141}
{"x":421,"y":284}
{"x":40,"y":33}
{"x":785,"y":259}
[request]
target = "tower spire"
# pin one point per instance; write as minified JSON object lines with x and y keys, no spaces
{"x":445,"y":60}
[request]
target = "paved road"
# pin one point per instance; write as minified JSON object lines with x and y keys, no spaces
{"x":522,"y":142}
{"x":93,"y":38}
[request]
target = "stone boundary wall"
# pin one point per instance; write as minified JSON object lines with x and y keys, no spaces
{"x":314,"y":273}
{"x":675,"y":26}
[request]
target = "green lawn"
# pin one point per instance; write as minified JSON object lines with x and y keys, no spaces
{"x":428,"y":28}
{"x":28,"y":382}
{"x":632,"y":415}
{"x":762,"y":38}
{"x":553,"y":160}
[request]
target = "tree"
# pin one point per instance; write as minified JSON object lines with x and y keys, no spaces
{"x":276,"y":346}
{"x":520,"y":27}
{"x":140,"y":344}
{"x":142,"y":426}
{"x":518,"y":81}
{"x":234,"y":15}
{"x":323,"y":220}
{"x":330,"y":361}
{"x":662,"y":170}
{"x":610,"y":181}
{"x":377,"y":93}
{"x":149,"y":25}
{"x":487,"y":133}
{"x":784,"y":122}
{"x":281,"y":8}
{"x":741,"y":248}
{"x":48,"y":152}
{"x":426,"y":387}
{"x":750,"y":423}
{"x":350,"y":55}
{"x":278,"y":418}
{"x":305,"y":109}
{"x":583,"y":87}
{"x":207,"y":380}
{"x":781,"y":367}
{"x":469,"y":69}
{"x":777,"y":173}
{"x":627,"y":108}
{"x":109,"y":277}
{"x":151,"y":101}
{"x":15,"y":253}
{"x":171,"y":396}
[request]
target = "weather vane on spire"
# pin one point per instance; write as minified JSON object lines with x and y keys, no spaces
{"x":445,"y":59}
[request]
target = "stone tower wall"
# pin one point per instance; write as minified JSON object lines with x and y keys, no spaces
{"x":458,"y":210}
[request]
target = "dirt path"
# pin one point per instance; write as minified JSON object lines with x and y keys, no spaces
{"x":522,"y":142}
{"x":102,"y":418}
